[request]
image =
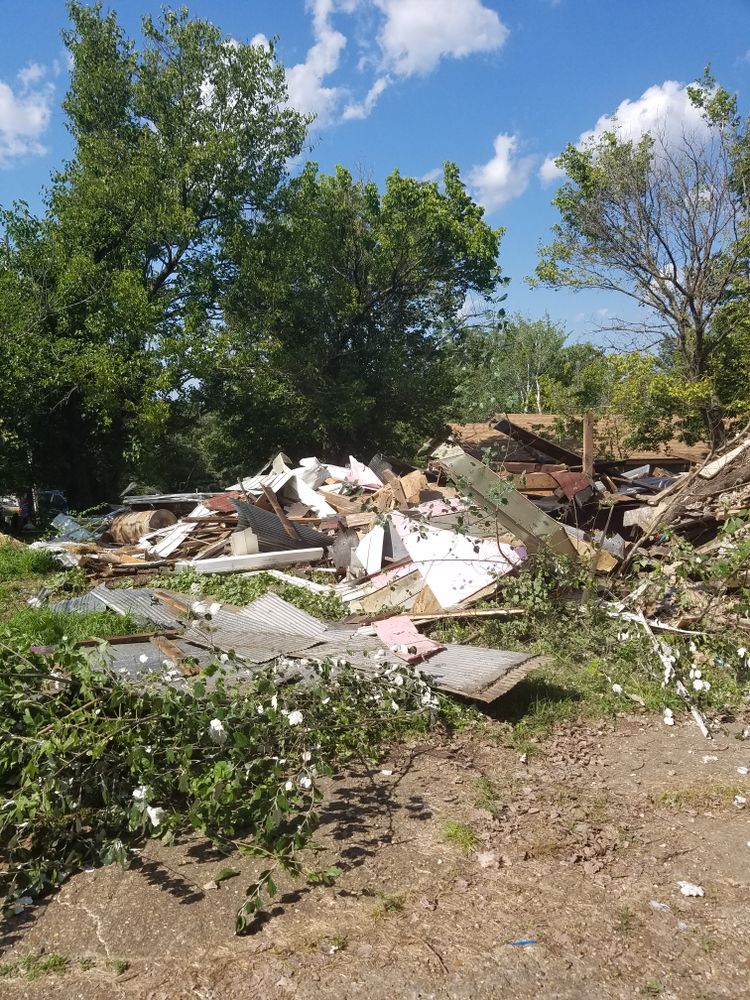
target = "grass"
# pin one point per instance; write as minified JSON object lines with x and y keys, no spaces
{"x":460,"y":835}
{"x":625,"y":920}
{"x":652,"y":988}
{"x":43,"y":627}
{"x":33,"y":966}
{"x":705,"y":795}
{"x":487,"y":796}
{"x":16,"y":563}
{"x":120,"y":965}
{"x":386,"y":904}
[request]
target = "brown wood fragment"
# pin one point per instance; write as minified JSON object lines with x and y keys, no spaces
{"x":279,"y":512}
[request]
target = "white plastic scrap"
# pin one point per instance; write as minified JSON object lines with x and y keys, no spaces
{"x":742,"y":770}
{"x":690,"y":889}
{"x":664,"y":907}
{"x":668,"y":717}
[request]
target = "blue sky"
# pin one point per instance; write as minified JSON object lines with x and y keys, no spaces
{"x":499,"y":86}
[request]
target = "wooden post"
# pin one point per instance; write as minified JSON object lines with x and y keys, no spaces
{"x":588,"y":444}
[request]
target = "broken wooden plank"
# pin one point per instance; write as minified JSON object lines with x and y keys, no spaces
{"x":529,"y":524}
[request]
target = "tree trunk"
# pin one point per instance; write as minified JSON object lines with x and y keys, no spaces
{"x":713,"y":419}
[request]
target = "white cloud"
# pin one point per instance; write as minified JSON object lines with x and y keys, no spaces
{"x":504,"y":177}
{"x":24,"y":116}
{"x":418,"y":33}
{"x":363,"y":108}
{"x":305,"y":80}
{"x":663,"y":109}
{"x":260,"y":39}
{"x":32,"y":73}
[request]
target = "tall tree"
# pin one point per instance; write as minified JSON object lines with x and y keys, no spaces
{"x":341,"y":312}
{"x":176,"y":146}
{"x":659,"y":222}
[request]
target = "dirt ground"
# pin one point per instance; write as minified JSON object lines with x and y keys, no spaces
{"x":469,"y":873}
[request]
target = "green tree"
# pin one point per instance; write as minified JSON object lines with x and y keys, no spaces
{"x":659,"y":222}
{"x":340,"y":314}
{"x":177,"y":145}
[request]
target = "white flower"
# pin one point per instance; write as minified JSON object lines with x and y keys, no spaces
{"x":623,"y":636}
{"x":306,"y":757}
{"x":305,"y":782}
{"x":706,"y":686}
{"x":394,"y":706}
{"x":398,"y":680}
{"x":274,"y":703}
{"x":294,"y":718}
{"x":259,"y":709}
{"x":139,"y":793}
{"x":617,"y":688}
{"x":697,"y":684}
{"x":155,"y":814}
{"x":64,"y":638}
{"x":143,"y":658}
{"x":289,"y":786}
{"x":741,"y":652}
{"x":224,"y":658}
{"x":324,"y":701}
{"x":217,"y":732}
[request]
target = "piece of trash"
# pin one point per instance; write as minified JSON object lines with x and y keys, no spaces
{"x":487,"y":859}
{"x":681,"y":925}
{"x":690,"y":889}
{"x":428,"y":904}
{"x":742,"y":770}
{"x":656,"y":905}
{"x":386,"y":772}
{"x":524,"y":758}
{"x":740,"y":801}
{"x":523,"y":942}
{"x":709,"y":758}
{"x":668,"y":717}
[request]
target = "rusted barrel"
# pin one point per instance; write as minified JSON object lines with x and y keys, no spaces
{"x":127,"y":529}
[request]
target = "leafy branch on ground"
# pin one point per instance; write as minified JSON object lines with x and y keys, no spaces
{"x":91,"y":766}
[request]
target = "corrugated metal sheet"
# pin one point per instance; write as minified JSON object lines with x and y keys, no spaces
{"x":140,"y":603}
{"x":272,"y":536}
{"x":272,"y":613}
{"x":229,"y":630}
{"x":82,"y":603}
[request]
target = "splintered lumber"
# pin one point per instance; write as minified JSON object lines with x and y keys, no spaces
{"x":467,"y":613}
{"x":517,"y":514}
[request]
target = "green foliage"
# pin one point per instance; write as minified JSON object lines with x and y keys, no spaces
{"x":90,"y":765}
{"x":105,"y":300}
{"x":343,"y":305}
{"x":634,"y":218}
{"x":16,"y":563}
{"x":239,"y":590}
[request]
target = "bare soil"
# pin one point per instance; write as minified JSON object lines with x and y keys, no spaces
{"x":469,"y":873}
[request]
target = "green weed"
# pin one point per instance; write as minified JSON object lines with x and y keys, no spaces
{"x":33,"y":966}
{"x":460,"y":835}
{"x":16,"y":563}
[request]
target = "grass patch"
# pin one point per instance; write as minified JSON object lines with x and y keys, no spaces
{"x":44,"y":627}
{"x":702,"y":796}
{"x":33,"y":966}
{"x":488,"y":796}
{"x":239,"y":590}
{"x":16,"y":563}
{"x":386,"y":904}
{"x":460,"y":835}
{"x":120,"y":965}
